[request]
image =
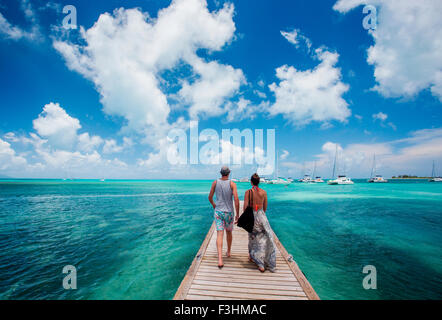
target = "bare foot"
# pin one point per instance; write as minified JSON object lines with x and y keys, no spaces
{"x":228,"y":254}
{"x":220,"y":263}
{"x":261,"y":269}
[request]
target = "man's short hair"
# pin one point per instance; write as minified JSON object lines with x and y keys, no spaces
{"x":225,"y":171}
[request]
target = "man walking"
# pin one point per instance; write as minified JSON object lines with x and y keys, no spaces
{"x":224,"y":189}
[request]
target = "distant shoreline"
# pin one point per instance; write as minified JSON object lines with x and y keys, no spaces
{"x":412,"y":178}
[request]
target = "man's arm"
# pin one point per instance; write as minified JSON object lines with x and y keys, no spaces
{"x":212,"y":191}
{"x":236,"y":199}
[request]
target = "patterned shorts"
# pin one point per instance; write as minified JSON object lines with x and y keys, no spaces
{"x":223,"y":220}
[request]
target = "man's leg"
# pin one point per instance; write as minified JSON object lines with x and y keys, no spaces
{"x":219,"y":246}
{"x":229,"y":242}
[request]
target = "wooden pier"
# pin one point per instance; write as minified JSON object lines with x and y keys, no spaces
{"x":239,"y":278}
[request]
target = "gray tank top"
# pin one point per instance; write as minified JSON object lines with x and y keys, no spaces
{"x":224,"y":194}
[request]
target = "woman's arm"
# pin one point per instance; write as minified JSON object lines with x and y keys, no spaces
{"x":264,"y":205}
{"x":246,"y":201}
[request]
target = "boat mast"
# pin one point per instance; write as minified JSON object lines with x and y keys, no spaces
{"x":432,"y":171}
{"x":373,"y":168}
{"x":314,"y":171}
{"x":334,"y":163}
{"x":277,"y":164}
{"x":303,"y":170}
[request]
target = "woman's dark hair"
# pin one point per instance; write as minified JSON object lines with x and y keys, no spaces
{"x":255,"y":179}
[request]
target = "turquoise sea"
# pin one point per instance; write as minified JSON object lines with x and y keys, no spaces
{"x":136,"y":239}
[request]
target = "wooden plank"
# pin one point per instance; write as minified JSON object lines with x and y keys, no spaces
{"x":244,"y":267}
{"x":280,"y":263}
{"x":249,"y":285}
{"x":238,"y":295}
{"x":243,"y":270}
{"x":248,"y":290}
{"x":287,"y":281}
{"x":199,"y":297}
{"x":237,"y":258}
{"x":233,"y":276}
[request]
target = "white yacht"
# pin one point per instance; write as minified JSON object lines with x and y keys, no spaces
{"x":340,"y":180}
{"x":316,"y":179}
{"x":244,"y":180}
{"x":376,"y":178}
{"x":279,"y":180}
{"x":433,"y":176}
{"x":306,"y":179}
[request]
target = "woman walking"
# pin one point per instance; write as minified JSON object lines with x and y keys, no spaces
{"x":262,"y":250}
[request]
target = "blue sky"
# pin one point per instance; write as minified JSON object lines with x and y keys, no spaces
{"x":99,"y":101}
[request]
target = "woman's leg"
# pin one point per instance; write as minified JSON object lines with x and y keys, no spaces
{"x":256,"y":251}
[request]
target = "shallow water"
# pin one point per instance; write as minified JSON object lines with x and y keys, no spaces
{"x":136,"y":239}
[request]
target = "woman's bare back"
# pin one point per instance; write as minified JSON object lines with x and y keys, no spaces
{"x":259,"y":199}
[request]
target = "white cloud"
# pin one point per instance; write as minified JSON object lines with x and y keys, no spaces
{"x":15,"y":32}
{"x":295,"y":37}
{"x":8,"y":157}
{"x":380,"y":116}
{"x":260,"y":94}
{"x":11,"y":137}
{"x":208,"y":93}
{"x":58,"y":150}
{"x":392,"y":125}
{"x":284,"y":155}
{"x":111,"y":146}
{"x":406,"y":54}
{"x":57,"y":126}
{"x":242,"y":109}
{"x":88,"y":143}
{"x":125,"y":53}
{"x":311,"y":95}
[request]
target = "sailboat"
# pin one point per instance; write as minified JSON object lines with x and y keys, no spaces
{"x":376,"y":178}
{"x":433,"y":175}
{"x":342,"y":179}
{"x":316,"y":179}
{"x":303,"y":173}
{"x":306,"y":179}
{"x":278,"y":179}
